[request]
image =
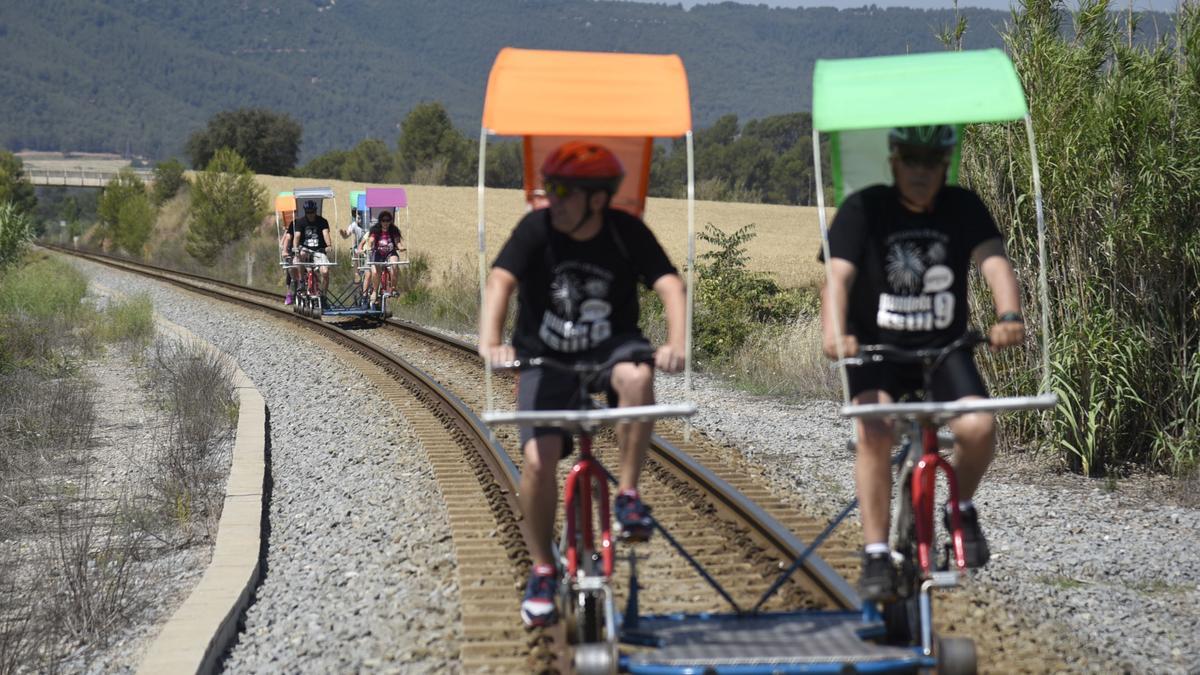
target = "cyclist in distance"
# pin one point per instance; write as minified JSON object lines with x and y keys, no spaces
{"x":358,"y":232}
{"x":291,"y":277}
{"x":383,"y":243}
{"x":575,"y":267}
{"x":311,"y":240}
{"x":898,"y":275}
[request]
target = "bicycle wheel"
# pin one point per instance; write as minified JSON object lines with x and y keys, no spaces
{"x":591,"y":618}
{"x":902,"y":618}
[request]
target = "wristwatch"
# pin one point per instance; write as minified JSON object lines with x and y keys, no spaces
{"x":1010,"y":316}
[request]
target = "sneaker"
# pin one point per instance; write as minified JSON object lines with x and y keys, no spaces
{"x":538,"y":609}
{"x":633,"y":518}
{"x":287,"y":299}
{"x":878,"y":581}
{"x":975,"y":545}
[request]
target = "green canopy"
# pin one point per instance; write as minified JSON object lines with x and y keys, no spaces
{"x":857,"y":100}
{"x":912,"y":89}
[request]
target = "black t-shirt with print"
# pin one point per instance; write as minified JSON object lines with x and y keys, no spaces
{"x":910,"y":289}
{"x":311,"y":236}
{"x":575,"y":296}
{"x":385,"y":243}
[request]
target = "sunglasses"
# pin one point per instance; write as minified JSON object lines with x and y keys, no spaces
{"x":558,"y":189}
{"x":385,"y":220}
{"x":921,"y":159}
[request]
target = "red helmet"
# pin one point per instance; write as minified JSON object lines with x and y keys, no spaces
{"x":585,"y":164}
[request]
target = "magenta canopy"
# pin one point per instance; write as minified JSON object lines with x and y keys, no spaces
{"x":383,"y":197}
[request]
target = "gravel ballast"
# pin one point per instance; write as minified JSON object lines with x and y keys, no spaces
{"x":360,"y":566}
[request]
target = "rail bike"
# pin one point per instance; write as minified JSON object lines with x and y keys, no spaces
{"x":855,"y":103}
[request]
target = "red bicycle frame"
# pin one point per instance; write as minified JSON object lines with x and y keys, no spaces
{"x":924,"y":476}
{"x":579,"y":487}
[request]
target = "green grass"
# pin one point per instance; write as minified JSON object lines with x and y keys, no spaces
{"x":129,"y":321}
{"x":43,"y":288}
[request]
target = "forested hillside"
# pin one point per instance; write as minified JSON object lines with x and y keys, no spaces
{"x":107,"y":75}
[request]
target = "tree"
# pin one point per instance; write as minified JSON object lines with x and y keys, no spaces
{"x":328,"y":165}
{"x":505,"y":165}
{"x":428,"y":141}
{"x":227,"y":204}
{"x":369,"y":162}
{"x":168,"y":178}
{"x":119,"y":191}
{"x":268,"y":142}
{"x":135,"y":221}
{"x":15,"y":188}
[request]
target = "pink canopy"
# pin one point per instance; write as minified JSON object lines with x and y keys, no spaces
{"x":386,"y":197}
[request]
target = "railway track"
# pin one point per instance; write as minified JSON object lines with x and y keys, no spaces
{"x":701,"y":492}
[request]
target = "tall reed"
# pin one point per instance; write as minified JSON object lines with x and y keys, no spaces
{"x":1118,"y":131}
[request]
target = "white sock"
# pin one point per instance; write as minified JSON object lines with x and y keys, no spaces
{"x":872,"y":549}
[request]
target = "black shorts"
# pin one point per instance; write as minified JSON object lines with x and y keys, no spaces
{"x":955,"y":378}
{"x":547,"y":389}
{"x":380,"y":257}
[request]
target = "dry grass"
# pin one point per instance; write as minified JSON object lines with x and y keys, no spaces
{"x":445,"y":225}
{"x":784,"y":361}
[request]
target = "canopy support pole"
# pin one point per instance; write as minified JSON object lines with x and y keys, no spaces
{"x":822,"y":217}
{"x":487,"y":372}
{"x":1043,"y":284}
{"x":691,"y":273}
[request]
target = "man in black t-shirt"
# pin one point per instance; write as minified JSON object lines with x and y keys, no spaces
{"x":900,"y":257}
{"x":310,"y":240}
{"x":575,"y":267}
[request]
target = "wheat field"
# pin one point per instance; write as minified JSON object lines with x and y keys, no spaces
{"x":444,"y":225}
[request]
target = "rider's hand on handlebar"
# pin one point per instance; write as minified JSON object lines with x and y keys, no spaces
{"x":1006,"y":334}
{"x":669,"y":359}
{"x":830,"y":347}
{"x":497,"y":354}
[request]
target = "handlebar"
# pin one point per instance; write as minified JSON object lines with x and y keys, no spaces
{"x":929,"y":356}
{"x":641,"y":355}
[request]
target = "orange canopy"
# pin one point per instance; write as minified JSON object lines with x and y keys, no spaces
{"x":622,"y":101}
{"x":551,"y":93}
{"x":285,"y":206}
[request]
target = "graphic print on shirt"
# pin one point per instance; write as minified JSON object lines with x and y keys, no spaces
{"x":919,"y":295}
{"x":577,"y":318}
{"x":383,"y":243}
{"x":312,"y":236}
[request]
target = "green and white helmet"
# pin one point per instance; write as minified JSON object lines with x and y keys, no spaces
{"x":939,"y":136}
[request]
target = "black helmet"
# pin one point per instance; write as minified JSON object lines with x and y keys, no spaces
{"x":310,"y":205}
{"x":935,"y":136}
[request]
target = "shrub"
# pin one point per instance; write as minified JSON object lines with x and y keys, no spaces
{"x":16,"y":229}
{"x":195,"y":386}
{"x":730,"y":299}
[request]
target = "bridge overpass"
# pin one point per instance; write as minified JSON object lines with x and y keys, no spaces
{"x":79,"y":177}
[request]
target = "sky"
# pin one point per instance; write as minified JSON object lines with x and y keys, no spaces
{"x":1157,"y":5}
